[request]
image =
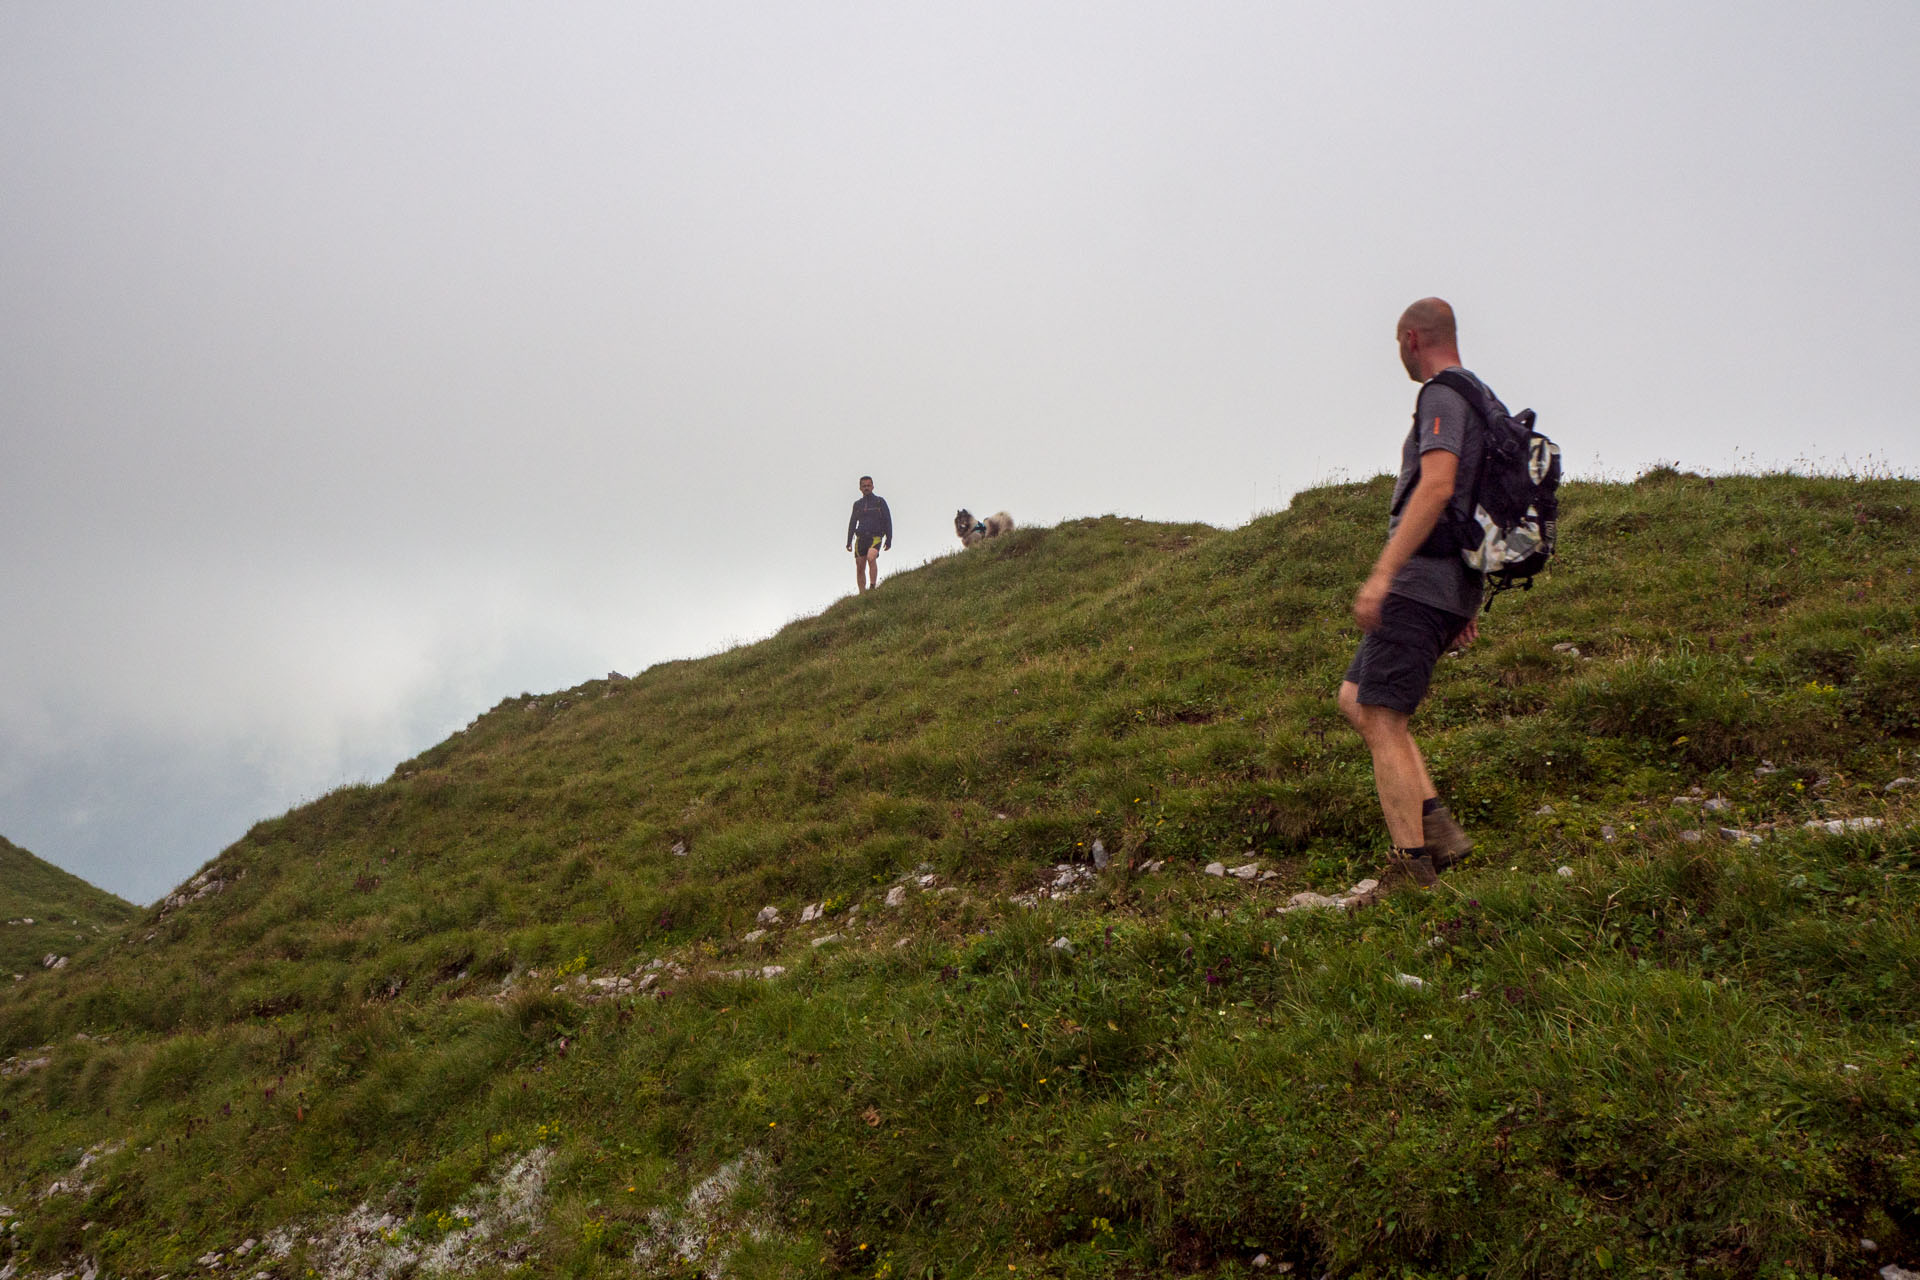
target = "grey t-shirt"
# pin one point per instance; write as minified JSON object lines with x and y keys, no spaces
{"x":1441,"y":420}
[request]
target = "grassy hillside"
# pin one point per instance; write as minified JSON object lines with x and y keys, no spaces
{"x":517,"y":1009}
{"x":65,"y":911}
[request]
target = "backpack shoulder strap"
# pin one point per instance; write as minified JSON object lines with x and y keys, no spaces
{"x":1471,"y":389}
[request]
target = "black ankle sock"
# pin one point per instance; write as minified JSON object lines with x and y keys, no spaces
{"x":1418,"y":851}
{"x":1430,"y":804}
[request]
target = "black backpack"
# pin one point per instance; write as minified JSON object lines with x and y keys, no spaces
{"x":1508,"y":536}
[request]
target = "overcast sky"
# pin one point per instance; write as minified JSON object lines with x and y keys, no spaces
{"x":362,"y":364}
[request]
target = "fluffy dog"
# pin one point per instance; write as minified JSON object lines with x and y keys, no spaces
{"x":971,"y":530}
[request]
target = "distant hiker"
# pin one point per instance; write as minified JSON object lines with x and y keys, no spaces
{"x":870,"y":523}
{"x":1418,"y":602}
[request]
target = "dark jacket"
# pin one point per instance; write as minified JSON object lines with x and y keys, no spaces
{"x":871,"y":517}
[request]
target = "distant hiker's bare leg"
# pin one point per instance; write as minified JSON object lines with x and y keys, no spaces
{"x":873,"y":565}
{"x":860,"y":572}
{"x":1399,"y":774}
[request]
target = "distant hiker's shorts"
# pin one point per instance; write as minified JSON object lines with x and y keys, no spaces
{"x":1395,"y":662}
{"x":863,"y":544}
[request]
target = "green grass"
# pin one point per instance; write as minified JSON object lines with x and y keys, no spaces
{"x":66,"y":911}
{"x":1690,"y":1057}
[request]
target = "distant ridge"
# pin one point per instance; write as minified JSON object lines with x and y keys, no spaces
{"x":66,"y":911}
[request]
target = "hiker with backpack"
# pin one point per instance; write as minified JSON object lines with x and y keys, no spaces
{"x":1463,"y":467}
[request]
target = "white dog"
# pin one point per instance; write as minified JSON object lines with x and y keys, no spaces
{"x":971,"y":530}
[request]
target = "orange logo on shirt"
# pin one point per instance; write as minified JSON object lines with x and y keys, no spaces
{"x":1436,"y":424}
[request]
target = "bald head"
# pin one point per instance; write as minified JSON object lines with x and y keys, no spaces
{"x":1428,"y":342}
{"x":1432,"y":319}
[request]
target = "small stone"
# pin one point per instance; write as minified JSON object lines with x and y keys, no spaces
{"x":1899,"y":784}
{"x":1565,"y":873}
{"x":897,"y":896}
{"x":1436,"y":942}
{"x":245,"y":1248}
{"x":753,"y":935}
{"x":1607,"y":833}
{"x":1765,"y":769}
{"x":1718,"y":804}
{"x":1247,"y":872}
{"x":1061,"y":945}
{"x":1269,"y":875}
{"x":1410,"y":981}
{"x":1311,"y":901}
{"x":53,"y":962}
{"x":1738,"y":836}
{"x":1892,"y":1272}
{"x":1850,"y":1069}
{"x":772,"y":971}
{"x":810,"y":913}
{"x":1100,"y":858}
{"x":831,"y":937}
{"x":1691,"y":837}
{"x":1001,"y":817}
{"x":769,"y":915}
{"x":1365,"y":886}
{"x":1544,"y":811}
{"x":1566,"y":647}
{"x":927,"y":882}
{"x":1216,"y":868}
{"x":1259,"y":1262}
{"x":679,"y":848}
{"x":1683,"y":800}
{"x":1869,"y":1246}
{"x":1152,"y":865}
{"x":1840,"y":826}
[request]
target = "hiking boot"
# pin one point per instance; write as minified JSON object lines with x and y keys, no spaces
{"x":1447,"y":844}
{"x":1402,"y":870}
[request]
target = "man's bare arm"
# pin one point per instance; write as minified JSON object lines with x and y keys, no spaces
{"x":1429,"y":498}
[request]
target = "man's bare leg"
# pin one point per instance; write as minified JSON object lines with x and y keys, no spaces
{"x":1399,"y":771}
{"x":873,"y":565}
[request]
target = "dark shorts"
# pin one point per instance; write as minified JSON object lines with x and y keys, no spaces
{"x":1395,"y":662}
{"x":862,"y":544}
